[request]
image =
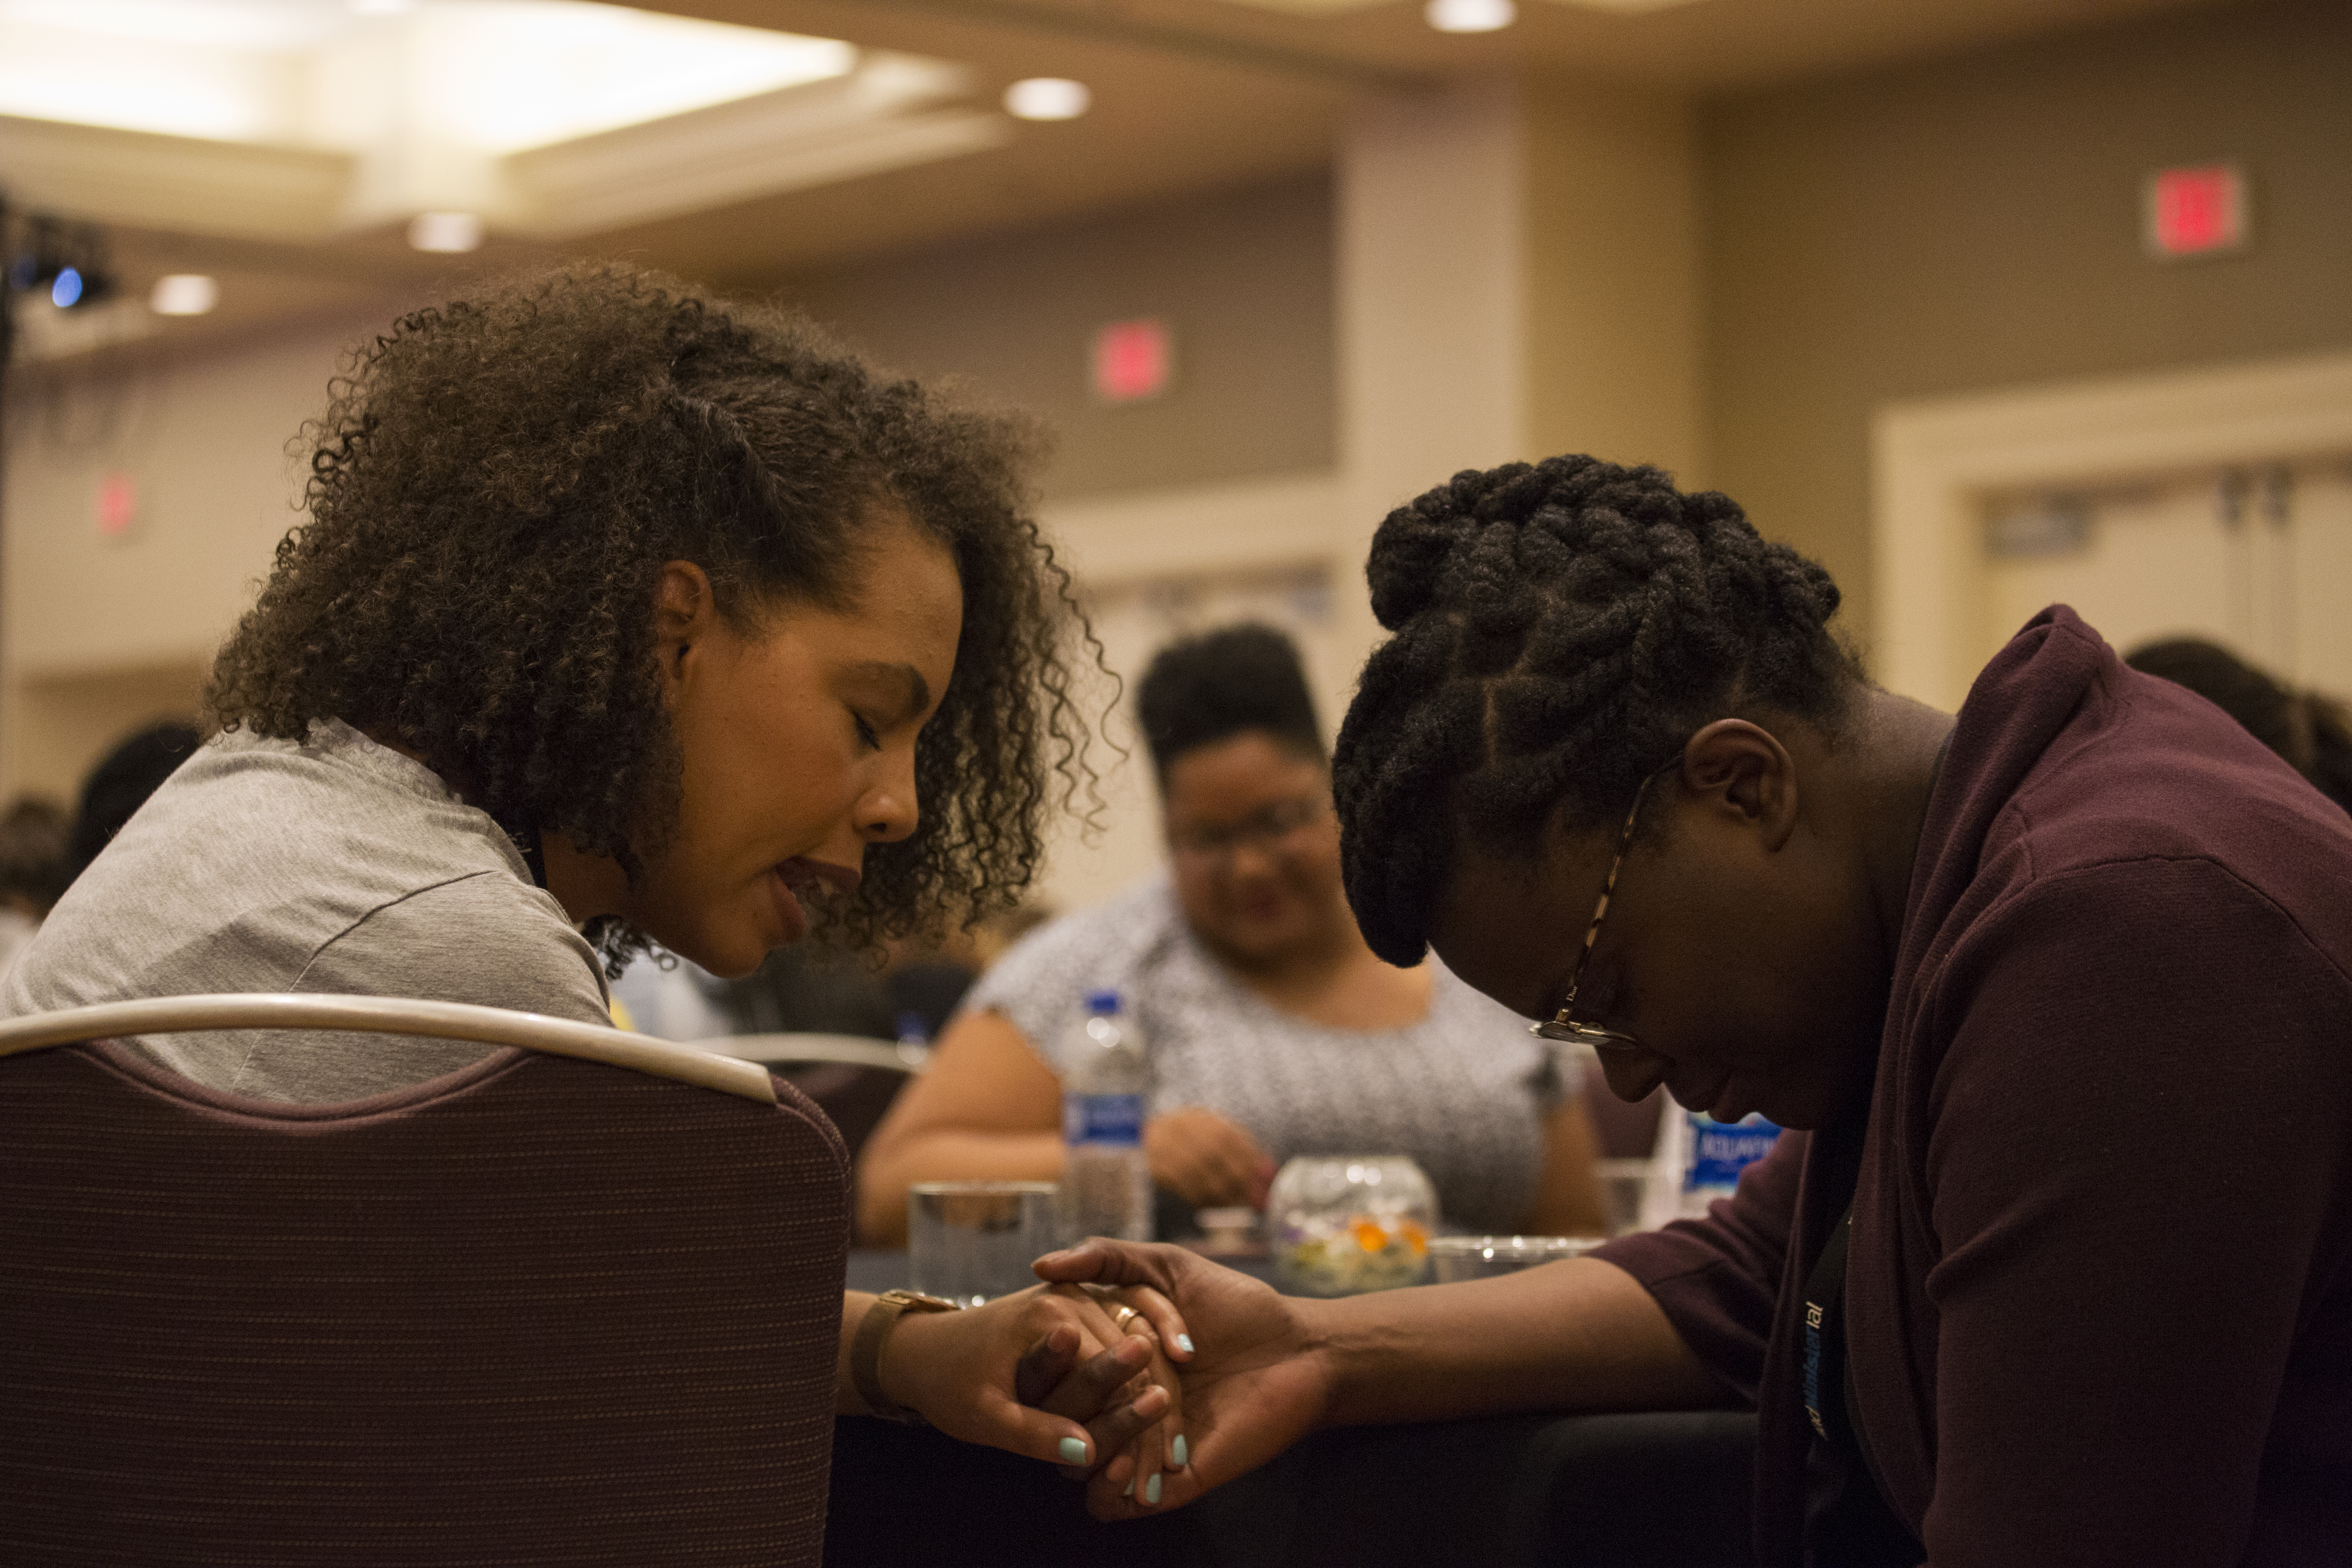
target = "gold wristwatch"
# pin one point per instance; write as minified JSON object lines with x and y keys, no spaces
{"x":865,"y":1350}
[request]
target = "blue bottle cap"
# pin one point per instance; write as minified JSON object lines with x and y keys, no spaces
{"x":1102,"y":1001}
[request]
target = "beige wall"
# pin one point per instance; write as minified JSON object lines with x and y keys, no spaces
{"x":1974,"y":224}
{"x":1245,"y":277}
{"x":1614,"y":277}
{"x":99,"y":634}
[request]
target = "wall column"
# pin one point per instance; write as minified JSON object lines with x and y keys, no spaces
{"x":1519,"y":275}
{"x":1433,"y":317}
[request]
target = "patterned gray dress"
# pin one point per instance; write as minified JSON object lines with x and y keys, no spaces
{"x":1463,"y":1091}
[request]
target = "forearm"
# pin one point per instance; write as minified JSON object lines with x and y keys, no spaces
{"x":1578,"y":1335}
{"x":946,"y":1154}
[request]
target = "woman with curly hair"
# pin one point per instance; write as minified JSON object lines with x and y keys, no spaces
{"x":620,"y":614}
{"x":2057,"y":993}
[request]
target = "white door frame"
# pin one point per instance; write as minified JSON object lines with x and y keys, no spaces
{"x":1935,"y":461}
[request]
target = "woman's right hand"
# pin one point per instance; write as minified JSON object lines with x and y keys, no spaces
{"x":1205,"y":1160}
{"x":1254,"y":1378}
{"x":1030,"y":1373}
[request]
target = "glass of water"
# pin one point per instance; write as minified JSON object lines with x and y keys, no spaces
{"x":970,"y":1241}
{"x":1460,"y":1257}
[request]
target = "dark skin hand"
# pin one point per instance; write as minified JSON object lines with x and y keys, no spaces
{"x":1579,"y":1335}
{"x":1053,"y":1378}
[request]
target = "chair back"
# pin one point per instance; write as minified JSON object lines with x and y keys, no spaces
{"x":541,"y":1309}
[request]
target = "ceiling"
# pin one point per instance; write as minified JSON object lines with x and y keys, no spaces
{"x":1188,"y":95}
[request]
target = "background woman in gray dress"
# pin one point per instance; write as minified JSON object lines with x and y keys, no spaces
{"x":1272,"y":1029}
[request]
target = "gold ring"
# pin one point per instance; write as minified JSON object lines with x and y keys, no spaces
{"x":1118,"y":1319}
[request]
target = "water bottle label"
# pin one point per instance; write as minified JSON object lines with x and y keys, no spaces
{"x":1102,"y":1119}
{"x":1720,"y":1150}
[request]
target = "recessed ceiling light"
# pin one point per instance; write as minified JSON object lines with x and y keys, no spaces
{"x":183,"y":294}
{"x":1470,"y":16}
{"x":1048,"y":98}
{"x":449,"y":232}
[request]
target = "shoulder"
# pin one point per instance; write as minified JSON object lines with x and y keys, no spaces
{"x":481,"y":937}
{"x":2147,"y":773}
{"x":2141,"y":915}
{"x":1042,"y":982}
{"x":2120,"y":987}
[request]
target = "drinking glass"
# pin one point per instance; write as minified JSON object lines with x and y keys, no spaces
{"x":969,"y":1241}
{"x":1460,"y":1257}
{"x":1623,"y":1184}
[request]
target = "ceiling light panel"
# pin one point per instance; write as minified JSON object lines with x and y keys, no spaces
{"x":176,"y":87}
{"x":492,"y":76}
{"x":1339,"y":7}
{"x":300,"y":118}
{"x":510,"y":74}
{"x":259,"y":27}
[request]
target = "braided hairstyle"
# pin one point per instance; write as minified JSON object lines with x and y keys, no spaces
{"x":1203,"y":688}
{"x":1561,"y":631}
{"x":494,"y":489}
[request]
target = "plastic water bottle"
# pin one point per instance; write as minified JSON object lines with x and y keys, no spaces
{"x":914,"y":1040}
{"x":1699,"y":1159}
{"x":1106,"y":1179}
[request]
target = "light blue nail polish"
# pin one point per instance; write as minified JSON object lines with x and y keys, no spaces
{"x":1184,"y":1456}
{"x":1152,"y":1492}
{"x":1074,"y":1450}
{"x":1184,"y":1344}
{"x":1131,"y":1488}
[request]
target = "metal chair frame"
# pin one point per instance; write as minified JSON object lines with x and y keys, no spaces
{"x":393,"y":1016}
{"x":794,"y":1049}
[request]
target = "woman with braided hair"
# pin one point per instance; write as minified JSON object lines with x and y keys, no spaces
{"x":2057,"y":995}
{"x":625,"y":614}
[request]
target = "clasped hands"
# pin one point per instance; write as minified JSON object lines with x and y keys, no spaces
{"x":1091,"y":1360}
{"x":1079,"y":1374}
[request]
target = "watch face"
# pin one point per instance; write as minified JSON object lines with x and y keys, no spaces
{"x":920,"y":1301}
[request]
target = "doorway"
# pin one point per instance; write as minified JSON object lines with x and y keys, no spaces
{"x":2258,"y":559}
{"x":2215,"y":501}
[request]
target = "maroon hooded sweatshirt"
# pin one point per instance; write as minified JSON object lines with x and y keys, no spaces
{"x":2098,"y":1302}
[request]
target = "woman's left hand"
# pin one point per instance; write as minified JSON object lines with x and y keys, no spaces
{"x":966,"y":1373}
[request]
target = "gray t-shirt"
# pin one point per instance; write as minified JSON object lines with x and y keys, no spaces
{"x":1464,"y":1091}
{"x":336,"y":865}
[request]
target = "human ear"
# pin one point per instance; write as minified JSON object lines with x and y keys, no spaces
{"x":684,"y":605}
{"x":1741,"y":769}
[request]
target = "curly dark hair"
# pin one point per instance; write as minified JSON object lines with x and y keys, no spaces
{"x":1202,"y":689}
{"x":494,"y":489}
{"x":1561,"y":630}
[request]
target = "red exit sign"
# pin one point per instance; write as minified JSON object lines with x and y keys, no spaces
{"x":2198,"y":210}
{"x":1133,"y":361}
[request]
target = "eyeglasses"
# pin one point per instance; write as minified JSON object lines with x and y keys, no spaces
{"x":1261,"y":829}
{"x":1560,"y":1026}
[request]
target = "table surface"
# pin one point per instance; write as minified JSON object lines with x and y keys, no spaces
{"x":878,"y":1270}
{"x":1638,"y":1490}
